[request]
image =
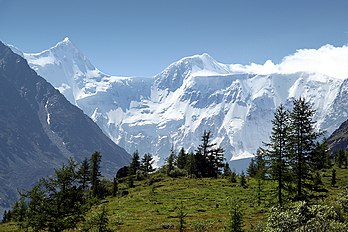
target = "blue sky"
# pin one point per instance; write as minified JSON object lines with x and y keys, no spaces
{"x":141,"y":38}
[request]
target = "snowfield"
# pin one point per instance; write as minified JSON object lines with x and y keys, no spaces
{"x":197,"y":93}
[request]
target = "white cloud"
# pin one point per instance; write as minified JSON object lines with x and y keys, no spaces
{"x":328,"y":60}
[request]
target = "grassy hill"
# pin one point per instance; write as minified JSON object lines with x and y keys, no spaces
{"x":154,"y":203}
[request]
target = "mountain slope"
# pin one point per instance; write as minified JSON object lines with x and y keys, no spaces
{"x":40,"y":129}
{"x":194,"y":94}
{"x":339,"y":138}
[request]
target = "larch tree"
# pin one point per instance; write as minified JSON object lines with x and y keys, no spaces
{"x":182,"y":159}
{"x":171,"y":161}
{"x":302,"y":140}
{"x":209,"y":160}
{"x":84,"y":174}
{"x":135,"y":164}
{"x":95,"y":173}
{"x":146,"y":163}
{"x":277,"y":152}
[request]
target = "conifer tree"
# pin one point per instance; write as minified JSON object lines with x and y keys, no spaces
{"x":216,"y":161}
{"x":181,"y":216}
{"x":54,"y":203}
{"x":251,"y":171}
{"x":333,"y":177}
{"x":65,"y":193}
{"x":317,"y":180}
{"x":302,"y":138}
{"x":260,"y":172}
{"x":233,"y":177}
{"x":135,"y":164}
{"x":340,"y":158}
{"x":209,"y":160}
{"x":191,"y":166}
{"x":146,"y":163}
{"x":114,"y":187}
{"x":171,"y":160}
{"x":95,"y":173}
{"x":5,"y":217}
{"x":98,"y":222}
{"x":84,"y":174}
{"x":321,"y":158}
{"x":242,"y":180}
{"x":236,"y":223}
{"x":257,"y":166}
{"x":130,"y":182}
{"x":227,"y":169}
{"x":182,"y":159}
{"x":277,"y":154}
{"x":21,"y":208}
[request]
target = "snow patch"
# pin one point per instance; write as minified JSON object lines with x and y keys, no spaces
{"x":48,"y":117}
{"x":43,"y":60}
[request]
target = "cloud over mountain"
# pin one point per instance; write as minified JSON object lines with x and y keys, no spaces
{"x":328,"y":60}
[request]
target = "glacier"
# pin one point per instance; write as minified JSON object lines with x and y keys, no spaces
{"x":172,"y":109}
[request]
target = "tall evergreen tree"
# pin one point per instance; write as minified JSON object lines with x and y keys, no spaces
{"x":171,"y":160}
{"x":182,"y":159}
{"x":146,"y":163}
{"x":277,"y":154}
{"x":302,"y":138}
{"x":95,"y":173}
{"x":209,"y":160}
{"x":114,"y":187}
{"x":321,"y":158}
{"x":84,"y":174}
{"x":227,"y":169}
{"x":257,"y":166}
{"x":251,"y":170}
{"x":260,"y":165}
{"x":341,"y":158}
{"x":135,"y":164}
{"x":233,"y":177}
{"x":181,"y":215}
{"x":242,"y":180}
{"x":216,"y":160}
{"x":333,"y":177}
{"x":53,"y":204}
{"x":236,"y":217}
{"x":191,"y":166}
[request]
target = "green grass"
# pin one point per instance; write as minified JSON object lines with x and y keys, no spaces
{"x":147,"y":208}
{"x":9,"y":227}
{"x":152,"y":207}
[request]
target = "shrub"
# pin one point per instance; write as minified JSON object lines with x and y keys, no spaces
{"x":177,"y":172}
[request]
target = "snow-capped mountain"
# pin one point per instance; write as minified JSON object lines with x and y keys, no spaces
{"x":196,"y":93}
{"x":40,"y":129}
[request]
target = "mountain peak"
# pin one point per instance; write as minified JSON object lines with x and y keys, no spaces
{"x":204,"y":56}
{"x":66,"y":39}
{"x":66,"y":42}
{"x":204,"y":64}
{"x":199,"y":57}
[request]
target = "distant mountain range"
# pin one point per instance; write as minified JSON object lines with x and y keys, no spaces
{"x":40,"y":129}
{"x":197,"y":93}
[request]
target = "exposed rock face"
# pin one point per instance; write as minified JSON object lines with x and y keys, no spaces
{"x":339,"y":138}
{"x":40,"y":129}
